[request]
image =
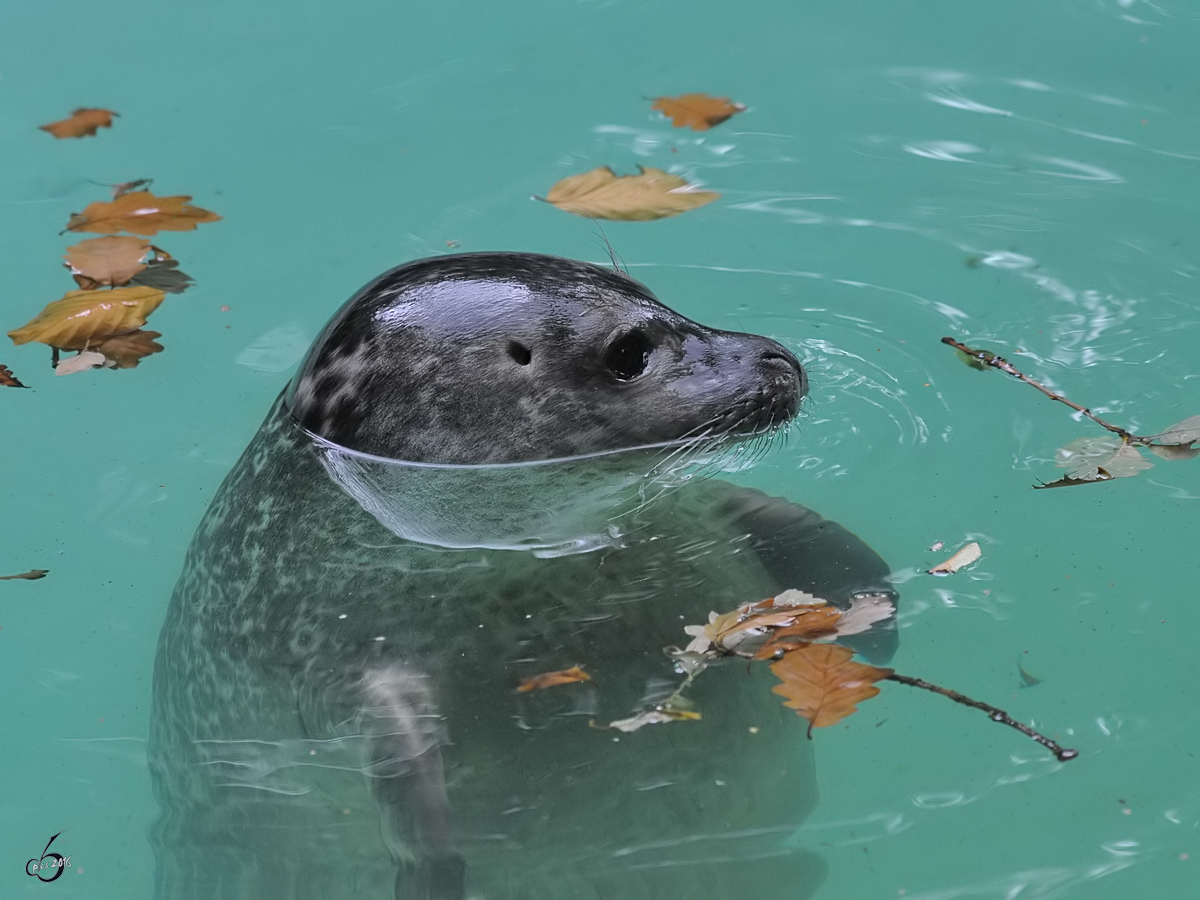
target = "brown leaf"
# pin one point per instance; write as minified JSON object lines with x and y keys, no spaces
{"x":823,"y":684}
{"x":125,"y":351}
{"x":8,"y":379}
{"x":553,"y":679}
{"x":822,"y":620}
{"x":699,"y":112}
{"x":82,"y":319}
{"x":651,"y":194}
{"x":107,"y":260}
{"x":81,"y":123}
{"x":126,"y":186}
{"x":140,"y":212}
{"x":31,"y":575}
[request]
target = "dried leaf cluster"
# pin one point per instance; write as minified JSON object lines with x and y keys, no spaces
{"x":122,"y":280}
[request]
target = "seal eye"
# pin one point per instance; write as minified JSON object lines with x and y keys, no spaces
{"x":520,"y":353}
{"x":628,"y":355}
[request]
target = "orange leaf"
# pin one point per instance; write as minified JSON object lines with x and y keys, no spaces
{"x":8,"y":379}
{"x":125,"y":351}
{"x":823,"y":684}
{"x":82,"y":123}
{"x":553,"y":679}
{"x":651,"y":194}
{"x":107,"y":260}
{"x":140,"y":212}
{"x":699,"y":112}
{"x":817,"y":622}
{"x":82,"y":319}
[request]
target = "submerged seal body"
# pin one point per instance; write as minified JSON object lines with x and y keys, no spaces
{"x":335,"y":704}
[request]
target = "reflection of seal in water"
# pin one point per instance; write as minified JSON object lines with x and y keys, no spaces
{"x":334,"y":704}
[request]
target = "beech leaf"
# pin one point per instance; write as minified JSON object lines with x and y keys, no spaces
{"x":140,"y":212}
{"x":8,"y":379}
{"x":81,"y":123}
{"x":651,"y":194}
{"x":107,"y":260}
{"x":699,"y":112}
{"x":823,"y":684}
{"x":84,"y":361}
{"x":84,"y":318}
{"x":553,"y":679}
{"x":963,"y":557}
{"x":125,"y":351}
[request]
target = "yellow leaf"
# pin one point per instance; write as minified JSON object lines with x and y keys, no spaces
{"x":140,"y":212}
{"x":107,"y":260}
{"x":81,"y":123}
{"x":699,"y":112}
{"x":82,"y":319}
{"x":651,"y":194}
{"x":823,"y":684}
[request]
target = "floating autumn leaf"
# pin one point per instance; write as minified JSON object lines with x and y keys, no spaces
{"x":140,"y":212}
{"x":126,"y":186}
{"x":84,"y":361}
{"x":84,"y":318}
{"x":827,"y":623}
{"x":654,"y":717}
{"x":823,"y":684}
{"x":1097,"y":459}
{"x":572,"y":675}
{"x":651,"y":194}
{"x":162,"y":273}
{"x":699,"y":112}
{"x":963,"y":557}
{"x":8,"y":379}
{"x":125,"y":351}
{"x":1176,"y":442}
{"x":106,"y":260}
{"x":31,"y":575}
{"x":81,"y":123}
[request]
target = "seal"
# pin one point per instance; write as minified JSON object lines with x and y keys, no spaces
{"x":491,"y":466}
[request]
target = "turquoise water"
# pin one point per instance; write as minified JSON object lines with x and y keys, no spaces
{"x":1025,"y":176}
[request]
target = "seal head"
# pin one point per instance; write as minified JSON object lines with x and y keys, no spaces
{"x":511,"y":357}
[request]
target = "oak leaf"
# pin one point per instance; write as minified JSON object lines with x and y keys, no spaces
{"x":823,"y":684}
{"x":651,"y":194}
{"x":140,"y":212}
{"x":31,"y":575}
{"x":553,"y":679}
{"x":106,"y":260}
{"x":81,"y":123}
{"x":699,"y":112}
{"x":125,"y":351}
{"x":8,"y":379}
{"x":82,"y":319}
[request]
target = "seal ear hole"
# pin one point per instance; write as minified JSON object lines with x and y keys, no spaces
{"x":520,"y":353}
{"x":628,"y":356}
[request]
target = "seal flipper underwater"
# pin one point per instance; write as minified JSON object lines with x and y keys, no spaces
{"x":334,"y":704}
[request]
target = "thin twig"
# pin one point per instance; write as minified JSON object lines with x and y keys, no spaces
{"x":996,"y":715}
{"x":999,"y":362}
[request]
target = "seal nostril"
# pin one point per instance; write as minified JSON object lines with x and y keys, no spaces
{"x":520,"y":353}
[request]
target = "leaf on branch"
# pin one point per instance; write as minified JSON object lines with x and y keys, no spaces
{"x":651,"y":194}
{"x":654,"y":717}
{"x":125,"y":351}
{"x":823,"y":684}
{"x":973,"y":361}
{"x":83,"y":361}
{"x":699,"y":112}
{"x":572,"y":675}
{"x":81,"y":123}
{"x":963,"y":557}
{"x":8,"y":379}
{"x":140,"y":212}
{"x":163,"y":274}
{"x":106,"y":260}
{"x":83,"y":318}
{"x":1097,"y":459}
{"x":1176,"y":442}
{"x":31,"y":575}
